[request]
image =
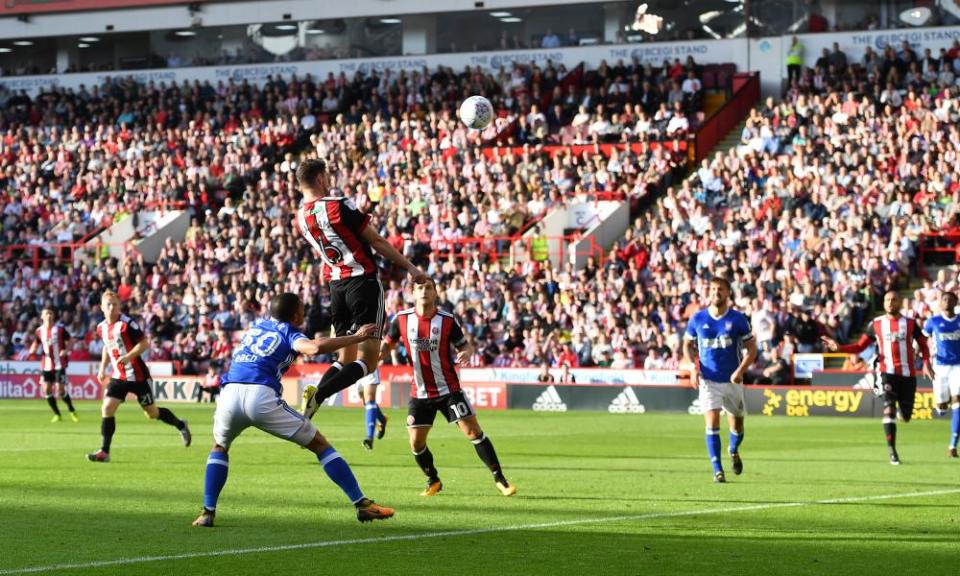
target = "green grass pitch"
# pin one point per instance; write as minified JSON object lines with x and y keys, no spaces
{"x":598,"y":494}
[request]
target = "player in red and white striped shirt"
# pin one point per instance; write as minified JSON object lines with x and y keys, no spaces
{"x":53,"y":340}
{"x":343,"y":238}
{"x":895,"y":336}
{"x":435,"y":344}
{"x":124,"y":344}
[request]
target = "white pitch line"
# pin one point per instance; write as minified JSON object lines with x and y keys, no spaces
{"x":452,"y":533}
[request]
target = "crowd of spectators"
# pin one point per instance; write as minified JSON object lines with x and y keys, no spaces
{"x":815,"y":214}
{"x":812,"y":216}
{"x":74,"y":162}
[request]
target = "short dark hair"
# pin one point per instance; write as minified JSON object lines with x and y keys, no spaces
{"x":285,"y":306}
{"x":721,"y":281}
{"x":429,"y":281}
{"x":309,"y":170}
{"x":951,"y":295}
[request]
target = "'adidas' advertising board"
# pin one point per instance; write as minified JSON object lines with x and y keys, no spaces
{"x":549,"y":401}
{"x":626,"y":403}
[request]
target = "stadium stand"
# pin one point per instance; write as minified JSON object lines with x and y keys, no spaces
{"x":75,"y":162}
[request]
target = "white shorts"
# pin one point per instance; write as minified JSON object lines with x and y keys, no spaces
{"x":946,"y":383}
{"x":372,"y":378}
{"x":717,"y":395}
{"x":243,"y":405}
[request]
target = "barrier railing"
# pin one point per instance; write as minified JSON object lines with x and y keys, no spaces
{"x":941,"y":248}
{"x":512,"y":249}
{"x":33,"y":254}
{"x":746,"y":92}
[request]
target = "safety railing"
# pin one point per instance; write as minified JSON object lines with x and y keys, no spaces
{"x":938,"y":248}
{"x":746,"y":92}
{"x":33,"y":255}
{"x":512,"y":249}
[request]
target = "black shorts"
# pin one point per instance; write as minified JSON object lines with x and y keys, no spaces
{"x":355,"y":302}
{"x":54,"y":377}
{"x":120,"y":388}
{"x":899,"y":390}
{"x":422,"y":411}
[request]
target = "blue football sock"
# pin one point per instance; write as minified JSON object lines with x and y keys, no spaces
{"x":217,"y":467}
{"x":954,"y":425}
{"x":381,"y":417}
{"x":339,"y":471}
{"x":735,"y":441}
{"x":713,"y":449}
{"x":371,"y":418}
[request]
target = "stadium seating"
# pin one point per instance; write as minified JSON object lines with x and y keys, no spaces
{"x":76,"y":162}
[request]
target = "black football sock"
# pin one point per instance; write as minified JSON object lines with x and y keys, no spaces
{"x":486,"y":452}
{"x":890,"y":429}
{"x":68,"y":402}
{"x":342,"y":379}
{"x":107,"y":427}
{"x":332,"y":371}
{"x":52,"y":401}
{"x":425,"y":461}
{"x":167,"y":417}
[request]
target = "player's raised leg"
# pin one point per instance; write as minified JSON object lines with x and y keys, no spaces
{"x":166,"y":416}
{"x":485,"y":450}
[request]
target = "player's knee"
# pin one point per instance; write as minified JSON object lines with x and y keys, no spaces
{"x":318,"y":444}
{"x":418,"y":444}
{"x":218,"y":448}
{"x":473,"y":432}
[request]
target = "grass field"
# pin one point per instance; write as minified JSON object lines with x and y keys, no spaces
{"x":598,"y":494}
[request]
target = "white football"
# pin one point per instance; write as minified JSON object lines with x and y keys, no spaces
{"x":476,"y":112}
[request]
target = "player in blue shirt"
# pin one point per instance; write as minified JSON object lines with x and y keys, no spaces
{"x":717,"y":336}
{"x":251,"y":395}
{"x":944,"y":331}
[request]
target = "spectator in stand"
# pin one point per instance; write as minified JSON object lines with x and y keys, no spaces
{"x":550,"y":40}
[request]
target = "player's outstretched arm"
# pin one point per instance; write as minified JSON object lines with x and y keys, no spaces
{"x":382,"y":247}
{"x":855,"y":348}
{"x":328,"y":345}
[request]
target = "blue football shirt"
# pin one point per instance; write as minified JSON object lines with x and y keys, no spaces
{"x":719,"y":342}
{"x":946,"y":337}
{"x":264,"y":354}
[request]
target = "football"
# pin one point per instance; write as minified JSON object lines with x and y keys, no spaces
{"x":476,"y":112}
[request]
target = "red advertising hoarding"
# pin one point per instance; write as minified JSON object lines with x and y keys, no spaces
{"x":29,"y":386}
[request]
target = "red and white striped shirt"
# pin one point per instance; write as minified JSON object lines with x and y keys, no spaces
{"x":119,"y":338}
{"x":53,"y":342}
{"x":430,"y":343}
{"x":894,"y":336}
{"x":333,"y":226}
